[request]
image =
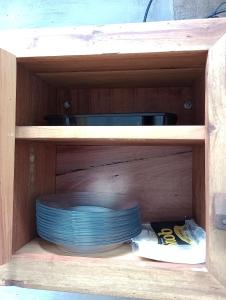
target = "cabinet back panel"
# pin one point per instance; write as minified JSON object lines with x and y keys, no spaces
{"x":160,"y":178}
{"x":128,"y":100}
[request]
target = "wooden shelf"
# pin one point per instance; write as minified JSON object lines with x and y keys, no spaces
{"x":116,"y":256}
{"x":117,"y":273}
{"x":128,"y":134}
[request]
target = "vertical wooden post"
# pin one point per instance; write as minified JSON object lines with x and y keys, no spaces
{"x":7,"y":143}
{"x":198,"y":184}
{"x":216,"y":154}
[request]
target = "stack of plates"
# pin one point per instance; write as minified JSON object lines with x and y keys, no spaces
{"x":87,"y":222}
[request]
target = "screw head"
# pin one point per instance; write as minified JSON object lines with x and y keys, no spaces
{"x":67,"y":104}
{"x":188,"y":104}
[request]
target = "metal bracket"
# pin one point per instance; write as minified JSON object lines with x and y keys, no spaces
{"x":220,"y":211}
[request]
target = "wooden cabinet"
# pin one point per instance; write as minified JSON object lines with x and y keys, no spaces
{"x":173,"y":171}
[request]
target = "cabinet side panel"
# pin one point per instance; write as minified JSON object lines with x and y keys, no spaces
{"x":198,"y":101}
{"x":198,"y":184}
{"x":7,"y":143}
{"x":35,"y":98}
{"x":34,"y":175}
{"x":216,"y":154}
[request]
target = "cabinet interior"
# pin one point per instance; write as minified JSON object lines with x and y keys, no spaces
{"x":167,"y":180}
{"x":111,"y":84}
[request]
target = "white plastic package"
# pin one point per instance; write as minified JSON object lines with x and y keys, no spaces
{"x":176,"y":242}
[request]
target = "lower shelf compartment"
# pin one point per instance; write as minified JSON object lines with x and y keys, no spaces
{"x":122,"y":255}
{"x":119,"y":273}
{"x":169,"y":183}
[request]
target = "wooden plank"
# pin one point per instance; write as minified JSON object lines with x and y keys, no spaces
{"x":198,"y":184}
{"x":112,"y":134}
{"x":34,"y":175}
{"x":167,"y":36}
{"x":123,"y":78}
{"x":122,"y":254}
{"x":116,"y":277}
{"x":198,"y":100}
{"x":215,"y":153}
{"x":34,"y":98}
{"x":189,"y":60}
{"x":159,"y":178}
{"x":7,"y":141}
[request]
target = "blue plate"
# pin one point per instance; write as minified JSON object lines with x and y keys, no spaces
{"x":87,"y":222}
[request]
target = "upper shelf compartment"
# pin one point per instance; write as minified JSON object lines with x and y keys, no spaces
{"x":113,"y":83}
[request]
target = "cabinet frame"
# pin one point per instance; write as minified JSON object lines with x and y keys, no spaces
{"x":62,"y":273}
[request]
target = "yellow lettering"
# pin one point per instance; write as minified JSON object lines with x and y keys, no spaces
{"x":168,"y":237}
{"x":165,"y":231}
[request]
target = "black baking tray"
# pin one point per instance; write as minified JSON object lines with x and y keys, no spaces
{"x":134,"y":119}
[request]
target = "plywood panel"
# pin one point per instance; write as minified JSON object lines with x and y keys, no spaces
{"x":115,"y":62}
{"x":215,"y":154}
{"x":7,"y":141}
{"x":37,"y":265}
{"x":198,"y":184}
{"x":34,"y":98}
{"x":198,"y":100}
{"x":124,"y":78}
{"x":120,"y":255}
{"x":170,"y":36}
{"x":111,"y":135}
{"x":160,"y":178}
{"x":34,"y":175}
{"x":122,"y":100}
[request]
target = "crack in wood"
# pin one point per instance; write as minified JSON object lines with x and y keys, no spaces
{"x":120,"y":162}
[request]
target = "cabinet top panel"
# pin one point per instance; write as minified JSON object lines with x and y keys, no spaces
{"x":153,"y":37}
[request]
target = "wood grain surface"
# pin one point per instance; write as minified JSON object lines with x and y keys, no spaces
{"x":184,"y":35}
{"x":34,"y":176}
{"x":198,"y":100}
{"x":129,"y":100}
{"x":186,"y":60}
{"x":110,"y":135}
{"x":198,"y":184}
{"x":124,"y":77}
{"x":215,"y":154}
{"x":38,"y":265}
{"x":167,"y":181}
{"x":159,"y":178}
{"x":7,"y":142}
{"x":35,"y":98}
{"x":122,"y":254}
